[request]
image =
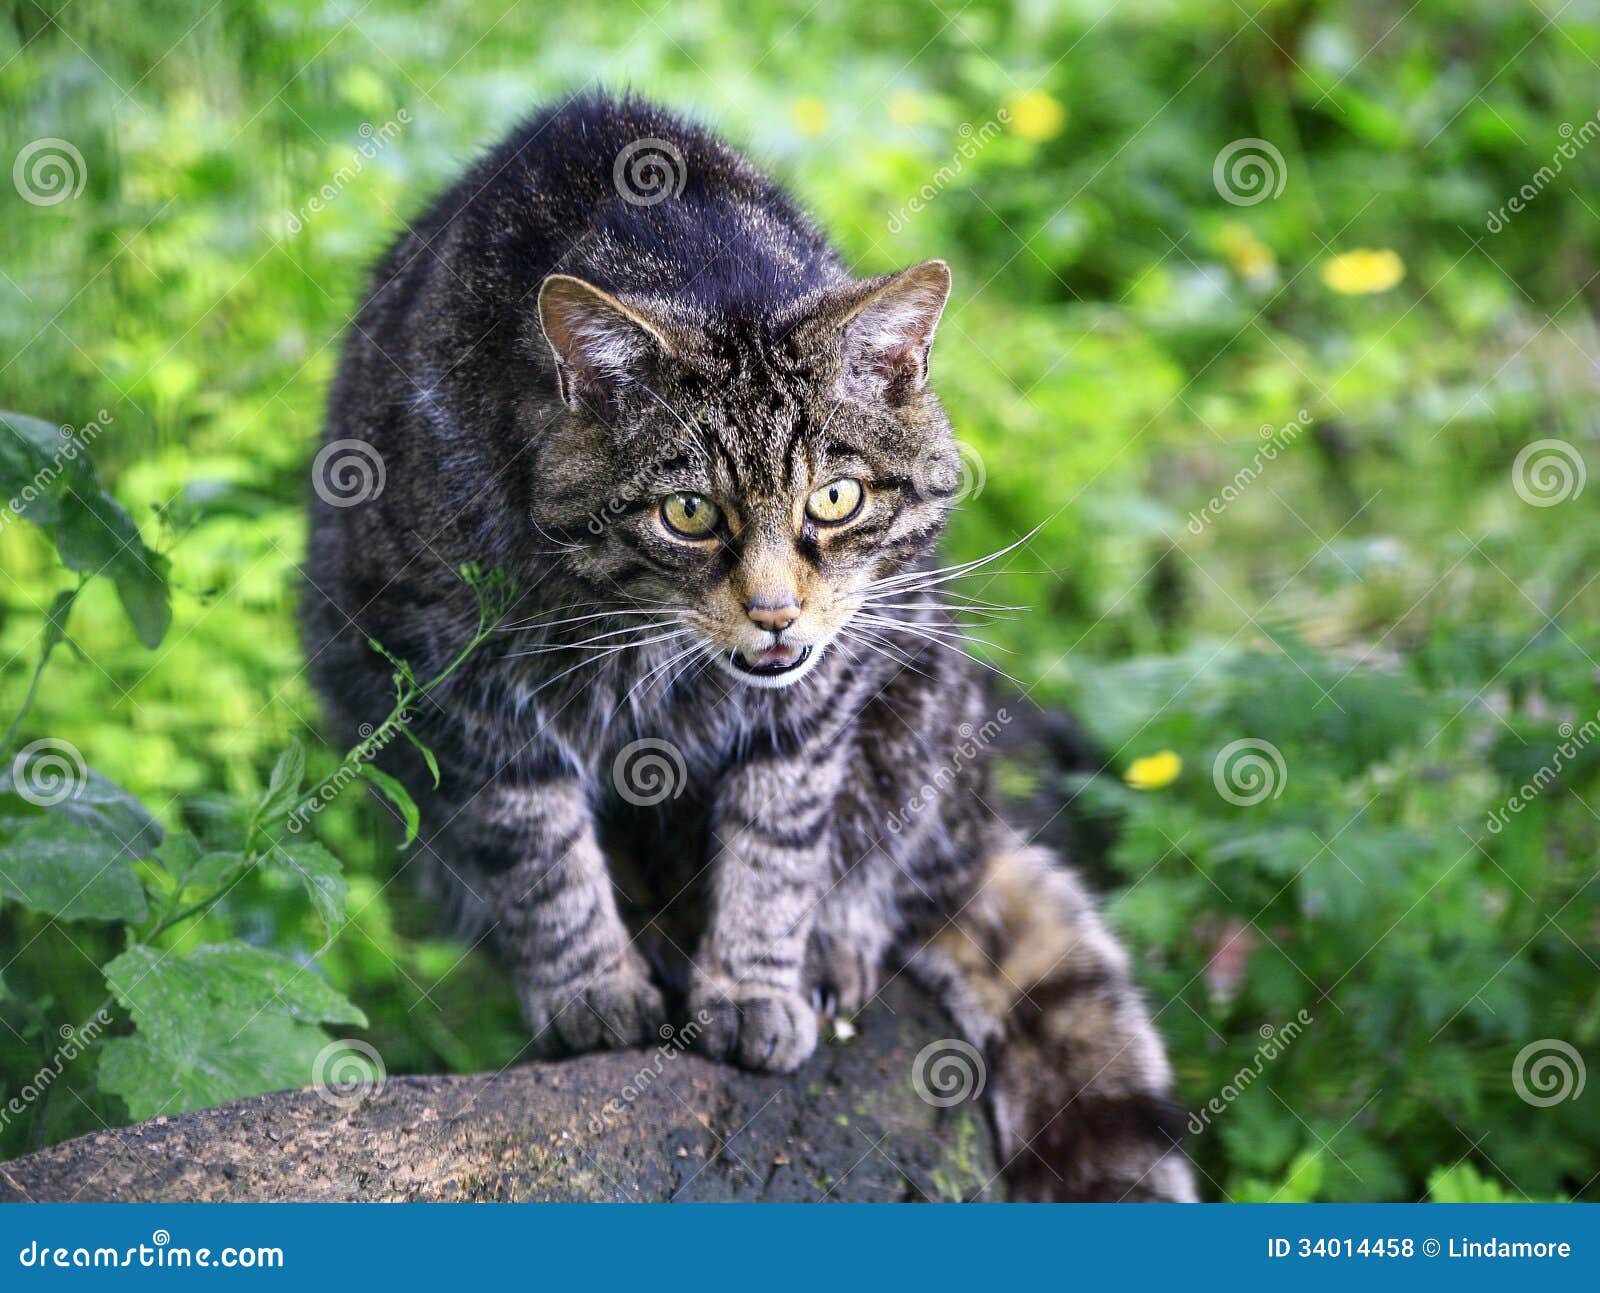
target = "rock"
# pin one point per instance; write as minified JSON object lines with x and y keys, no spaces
{"x":659,"y":1124}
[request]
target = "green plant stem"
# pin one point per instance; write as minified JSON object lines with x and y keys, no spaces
{"x":55,"y":632}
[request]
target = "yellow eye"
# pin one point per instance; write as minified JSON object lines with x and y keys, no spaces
{"x":835,"y":503}
{"x":689,"y":516}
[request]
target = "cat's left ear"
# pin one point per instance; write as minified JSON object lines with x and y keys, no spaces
{"x":886,"y":327}
{"x":597,"y":338}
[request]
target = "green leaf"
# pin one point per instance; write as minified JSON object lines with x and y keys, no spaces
{"x":1463,"y":1183}
{"x":178,"y":1001}
{"x":397,"y":795}
{"x":270,"y":1053}
{"x":33,"y":470}
{"x":425,"y":752}
{"x":320,"y":872}
{"x":141,"y":581}
{"x":95,"y":535}
{"x":223,"y":1021}
{"x":100,"y":803}
{"x":283,"y":788}
{"x":55,"y":477}
{"x":72,"y":871}
{"x":219,"y":869}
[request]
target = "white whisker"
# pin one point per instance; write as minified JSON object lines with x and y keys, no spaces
{"x":576,"y":619}
{"x":929,"y":578}
{"x":603,"y":650}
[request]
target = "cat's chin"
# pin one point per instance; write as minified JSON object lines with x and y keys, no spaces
{"x":769,"y":677}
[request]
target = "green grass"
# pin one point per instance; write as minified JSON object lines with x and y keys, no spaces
{"x":1379,"y":603}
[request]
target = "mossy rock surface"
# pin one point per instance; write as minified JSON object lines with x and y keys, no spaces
{"x":656,"y":1125}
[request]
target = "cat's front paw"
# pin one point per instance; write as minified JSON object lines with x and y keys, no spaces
{"x":757,"y":1026}
{"x":616,"y":1008}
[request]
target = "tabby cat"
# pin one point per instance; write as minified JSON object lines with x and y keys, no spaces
{"x":617,"y":361}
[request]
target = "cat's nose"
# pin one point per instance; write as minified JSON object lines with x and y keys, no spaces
{"x":773,"y":614}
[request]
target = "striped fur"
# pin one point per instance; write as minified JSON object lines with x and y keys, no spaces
{"x":1082,"y":1085}
{"x":729,"y":773}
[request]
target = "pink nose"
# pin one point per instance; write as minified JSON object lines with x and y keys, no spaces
{"x":770,"y":614}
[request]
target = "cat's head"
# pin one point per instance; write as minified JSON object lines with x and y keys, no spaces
{"x":751,"y":473}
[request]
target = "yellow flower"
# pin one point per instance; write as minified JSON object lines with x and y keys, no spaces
{"x":905,"y":108}
{"x":1033,"y":114}
{"x":1249,"y":256}
{"x":1362,"y":272}
{"x":1154,"y":770}
{"x":810,"y":116}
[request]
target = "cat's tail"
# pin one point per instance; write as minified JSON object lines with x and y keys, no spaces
{"x":1079,"y":1083}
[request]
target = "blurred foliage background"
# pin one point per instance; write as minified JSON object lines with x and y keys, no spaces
{"x":1404,"y":612}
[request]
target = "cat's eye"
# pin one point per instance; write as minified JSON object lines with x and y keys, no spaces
{"x":689,"y":516}
{"x":836,"y":502}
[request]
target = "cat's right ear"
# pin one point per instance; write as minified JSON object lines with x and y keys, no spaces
{"x":595,"y":337}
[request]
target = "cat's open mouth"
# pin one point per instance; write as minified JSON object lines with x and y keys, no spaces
{"x":774,"y":662}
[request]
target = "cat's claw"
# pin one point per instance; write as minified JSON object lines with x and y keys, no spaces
{"x":616,"y":1009}
{"x":845,"y":977}
{"x":757,"y":1027}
